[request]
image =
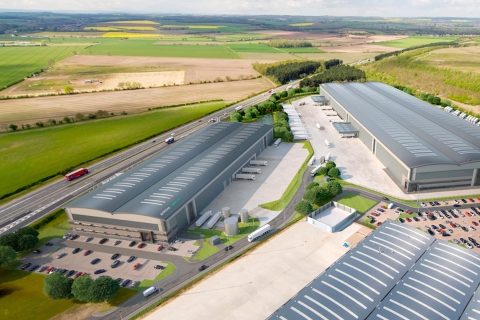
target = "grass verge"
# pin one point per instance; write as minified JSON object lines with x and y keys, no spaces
{"x":359,"y":203}
{"x":292,"y":188}
{"x":168,"y":271}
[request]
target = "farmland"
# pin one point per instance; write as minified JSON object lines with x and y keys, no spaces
{"x":18,"y":62}
{"x":431,"y":70}
{"x":414,"y":41}
{"x":82,"y":142}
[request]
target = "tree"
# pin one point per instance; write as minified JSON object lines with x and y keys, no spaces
{"x":9,"y":240}
{"x":323,"y":195}
{"x":334,"y":173}
{"x":26,"y":241}
{"x":310,"y":194}
{"x":304,"y":207}
{"x":80,"y":117}
{"x":13,"y":127}
{"x":323,"y":171}
{"x":334,"y":187}
{"x":235,"y":117}
{"x":82,"y":288}
{"x":68,"y":89}
{"x":27,"y":230}
{"x":330,"y":164}
{"x":57,"y":286}
{"x":7,"y":256}
{"x":312,"y":185}
{"x":104,"y":289}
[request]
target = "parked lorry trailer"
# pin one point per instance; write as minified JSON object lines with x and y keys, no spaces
{"x":277,"y":142}
{"x":258,"y":162}
{"x":213,"y":220}
{"x":260,"y":232}
{"x":244,"y":176}
{"x":203,"y":218}
{"x":251,"y":170}
{"x":314,"y":171}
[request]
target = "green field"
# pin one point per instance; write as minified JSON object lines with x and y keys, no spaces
{"x":17,"y":63}
{"x":359,"y":203}
{"x":253,"y":47}
{"x":425,"y":70}
{"x":414,"y":41}
{"x":302,"y":50}
{"x":31,"y":155}
{"x":141,"y":47}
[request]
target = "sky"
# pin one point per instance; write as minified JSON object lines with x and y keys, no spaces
{"x":385,"y":8}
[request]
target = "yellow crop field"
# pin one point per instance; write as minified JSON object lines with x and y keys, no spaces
{"x":129,"y":35}
{"x":301,"y":24}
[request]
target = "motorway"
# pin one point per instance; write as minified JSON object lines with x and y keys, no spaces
{"x":36,"y":204}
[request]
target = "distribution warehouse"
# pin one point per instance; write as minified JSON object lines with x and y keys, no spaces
{"x":420,"y":146}
{"x":396,"y":272}
{"x":160,"y":197}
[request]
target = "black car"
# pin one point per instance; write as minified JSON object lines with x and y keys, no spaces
{"x":133,"y":243}
{"x":228,"y":248}
{"x":34,"y":267}
{"x":125,"y":282}
{"x":99,"y":271}
{"x":70,"y":273}
{"x":95,"y":261}
{"x":104,"y":240}
{"x":115,"y":256}
{"x":463,"y":200}
{"x":442,"y":226}
{"x":430,"y":231}
{"x":434,"y":227}
{"x":76,"y":250}
{"x":202,"y":267}
{"x":74,"y":237}
{"x":115,"y":264}
{"x":132,"y":258}
{"x":416,"y":219}
{"x":159,"y":267}
{"x":401,"y":220}
{"x":117,"y":242}
{"x":89,"y":239}
{"x":25,"y":266}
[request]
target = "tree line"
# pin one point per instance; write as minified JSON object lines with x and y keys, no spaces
{"x":381,"y":56}
{"x":283,"y":72}
{"x":290,"y":44}
{"x":335,"y":73}
{"x":19,"y":241}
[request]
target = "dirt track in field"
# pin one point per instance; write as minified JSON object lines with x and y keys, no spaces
{"x":31,"y":110}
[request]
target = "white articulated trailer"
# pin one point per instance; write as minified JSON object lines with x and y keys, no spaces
{"x":260,"y":232}
{"x":251,"y":170}
{"x":244,"y":176}
{"x":277,"y":142}
{"x":311,"y":161}
{"x":315,"y":170}
{"x":203,"y":218}
{"x":258,"y":162}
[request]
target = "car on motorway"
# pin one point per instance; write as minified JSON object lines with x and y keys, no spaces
{"x":104,"y":240}
{"x":76,"y":250}
{"x":95,"y":261}
{"x":228,"y":248}
{"x":115,"y":264}
{"x":132,"y":244}
{"x":131,"y":258}
{"x":115,"y":256}
{"x":141,"y":245}
{"x":88,"y":252}
{"x":99,"y":271}
{"x":202,"y":267}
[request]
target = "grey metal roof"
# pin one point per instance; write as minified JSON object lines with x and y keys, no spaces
{"x":344,"y":127}
{"x":438,"y":287}
{"x":163,"y":184}
{"x":472,"y":311}
{"x":318,"y":98}
{"x":417,"y":133}
{"x":397,"y":272}
{"x":353,"y":286}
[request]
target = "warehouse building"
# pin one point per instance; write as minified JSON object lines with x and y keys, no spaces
{"x":158,"y":198}
{"x":421,"y":147}
{"x":396,"y":272}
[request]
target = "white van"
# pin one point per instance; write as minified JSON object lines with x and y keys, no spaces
{"x":149,"y":291}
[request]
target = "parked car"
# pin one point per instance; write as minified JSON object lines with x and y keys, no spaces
{"x":43,"y":268}
{"x":104,"y":240}
{"x":115,"y":264}
{"x":89,"y":239}
{"x":132,"y":258}
{"x":76,"y":250}
{"x":133,"y":243}
{"x":61,"y":255}
{"x":88,"y":252}
{"x":116,"y":243}
{"x":141,"y":245}
{"x":95,"y":261}
{"x":115,"y":256}
{"x":34,"y":267}
{"x":99,"y":271}
{"x":125,"y":282}
{"x":137,"y":266}
{"x":70,"y":273}
{"x":159,"y":267}
{"x":25,"y":266}
{"x":74,"y":236}
{"x":160,"y":247}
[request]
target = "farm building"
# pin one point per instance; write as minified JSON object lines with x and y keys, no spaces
{"x":158,"y":198}
{"x":421,"y":147}
{"x":396,"y":272}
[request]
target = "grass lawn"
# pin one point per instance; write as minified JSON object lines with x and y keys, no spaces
{"x":168,"y":271}
{"x":204,"y":235}
{"x":17,"y":63}
{"x":302,"y":50}
{"x":292,"y":188}
{"x":32,"y":155}
{"x":150,"y":47}
{"x":359,"y":203}
{"x":414,"y":41}
{"x":54,"y":225}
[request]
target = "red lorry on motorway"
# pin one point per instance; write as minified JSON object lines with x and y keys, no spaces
{"x":76,"y":174}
